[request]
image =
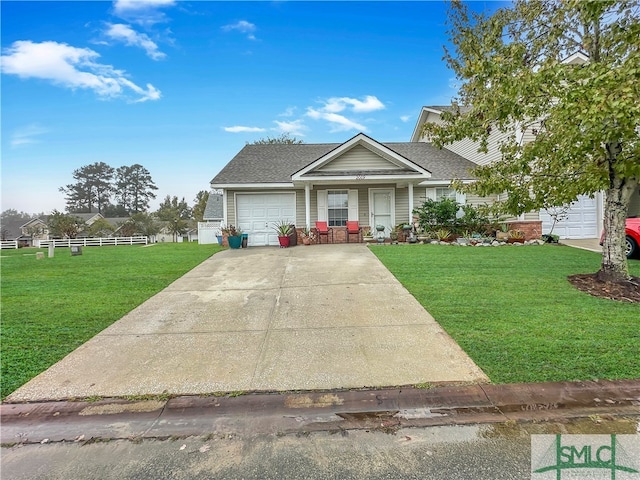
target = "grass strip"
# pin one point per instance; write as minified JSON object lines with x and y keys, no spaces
{"x":516,"y":315}
{"x":51,"y":306}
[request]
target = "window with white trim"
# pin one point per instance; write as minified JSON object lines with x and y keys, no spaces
{"x":337,"y":207}
{"x":444,"y":192}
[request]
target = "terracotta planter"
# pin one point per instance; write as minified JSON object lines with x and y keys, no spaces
{"x":306,"y":241}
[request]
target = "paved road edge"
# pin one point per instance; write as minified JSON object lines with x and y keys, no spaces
{"x":284,"y":413}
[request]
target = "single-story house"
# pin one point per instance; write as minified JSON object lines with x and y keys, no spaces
{"x":361,"y":179}
{"x":582,"y":219}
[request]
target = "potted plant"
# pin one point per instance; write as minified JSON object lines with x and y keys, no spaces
{"x":516,"y":236}
{"x":443,"y":235}
{"x":502,"y":234}
{"x":307,"y":236}
{"x":283,"y":229}
{"x":234,"y":236}
{"x":367,"y":234}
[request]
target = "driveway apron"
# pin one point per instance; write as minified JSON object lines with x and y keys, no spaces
{"x":265,"y":319}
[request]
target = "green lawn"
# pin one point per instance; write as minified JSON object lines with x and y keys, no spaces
{"x":53,"y":305}
{"x":514,"y":312}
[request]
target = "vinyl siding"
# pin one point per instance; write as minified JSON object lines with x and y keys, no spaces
{"x":358,"y":158}
{"x":469,"y":149}
{"x":477,"y":200}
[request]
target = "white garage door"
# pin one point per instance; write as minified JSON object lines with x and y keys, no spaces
{"x":581,"y":220}
{"x":258,"y":212}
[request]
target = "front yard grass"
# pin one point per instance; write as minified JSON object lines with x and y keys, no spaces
{"x":53,"y":305}
{"x":516,"y":315}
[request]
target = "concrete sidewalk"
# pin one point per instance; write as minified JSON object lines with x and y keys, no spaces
{"x":265,"y":319}
{"x":591,"y":244}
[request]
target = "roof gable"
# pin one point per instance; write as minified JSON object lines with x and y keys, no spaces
{"x":360,"y":154}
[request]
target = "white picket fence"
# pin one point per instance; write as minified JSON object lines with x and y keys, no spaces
{"x":95,"y":242}
{"x":9,"y":244}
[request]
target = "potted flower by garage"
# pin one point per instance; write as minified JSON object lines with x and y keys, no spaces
{"x":307,"y":236}
{"x":234,"y":236}
{"x":283,"y":229}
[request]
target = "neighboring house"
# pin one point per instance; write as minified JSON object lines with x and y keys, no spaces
{"x":582,"y":219}
{"x":361,"y":179}
{"x":27,"y":234}
{"x":212,"y":218}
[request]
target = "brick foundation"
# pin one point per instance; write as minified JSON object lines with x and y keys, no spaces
{"x":531,"y":229}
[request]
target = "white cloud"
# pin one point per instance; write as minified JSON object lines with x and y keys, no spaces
{"x":297,"y":127}
{"x":243,"y":27}
{"x":338,"y":104}
{"x":240,"y":129}
{"x":128,"y":36}
{"x":27,"y":135}
{"x":71,"y":67}
{"x":289,"y":112}
{"x":332,"y":107}
{"x":339,"y":123}
{"x":405,"y":118}
{"x":143,"y":12}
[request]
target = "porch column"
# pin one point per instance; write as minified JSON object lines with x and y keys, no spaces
{"x":307,"y":205}
{"x":410,"y":202}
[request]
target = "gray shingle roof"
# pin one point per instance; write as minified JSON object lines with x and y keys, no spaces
{"x":213,"y":210}
{"x":275,"y":163}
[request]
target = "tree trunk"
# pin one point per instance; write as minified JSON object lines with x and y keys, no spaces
{"x":614,"y":260}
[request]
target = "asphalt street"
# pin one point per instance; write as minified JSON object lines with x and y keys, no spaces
{"x":484,"y":451}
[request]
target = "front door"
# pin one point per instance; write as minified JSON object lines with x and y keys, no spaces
{"x":382,"y":208}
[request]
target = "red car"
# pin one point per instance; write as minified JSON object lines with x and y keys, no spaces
{"x":632,"y":231}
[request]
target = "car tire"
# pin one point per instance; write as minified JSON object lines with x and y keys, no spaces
{"x":631,"y":247}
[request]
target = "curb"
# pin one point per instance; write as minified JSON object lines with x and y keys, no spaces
{"x":302,"y":412}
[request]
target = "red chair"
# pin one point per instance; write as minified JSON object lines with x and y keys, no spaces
{"x":323,"y":230}
{"x":353,"y":228}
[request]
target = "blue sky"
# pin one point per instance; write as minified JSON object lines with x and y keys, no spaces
{"x":180,"y":87}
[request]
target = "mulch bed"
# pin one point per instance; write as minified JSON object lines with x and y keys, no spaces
{"x":623,"y":292}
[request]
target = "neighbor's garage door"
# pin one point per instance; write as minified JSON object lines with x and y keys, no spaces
{"x":258,"y":212}
{"x":581,"y":220}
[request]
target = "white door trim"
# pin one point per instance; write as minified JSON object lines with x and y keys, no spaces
{"x":392,"y":200}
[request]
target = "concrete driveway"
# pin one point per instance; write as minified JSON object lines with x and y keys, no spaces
{"x":301,"y":318}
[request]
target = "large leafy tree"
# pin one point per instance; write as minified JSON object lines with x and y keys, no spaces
{"x":92,"y":190}
{"x":64,"y":225}
{"x":202,"y":197}
{"x":586,"y":115}
{"x":141,"y":223}
{"x":134,"y":188}
{"x":176,"y":213}
{"x":100,"y":228}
